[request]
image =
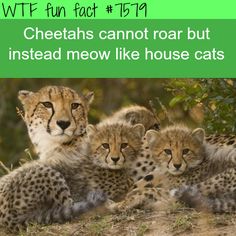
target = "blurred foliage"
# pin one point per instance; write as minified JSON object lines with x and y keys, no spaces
{"x":217,"y":97}
{"x":179,"y":96}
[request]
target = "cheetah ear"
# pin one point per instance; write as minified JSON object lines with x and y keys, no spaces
{"x":199,"y":134}
{"x":152,"y":137}
{"x":90,"y":130}
{"x":89,"y":97}
{"x":23,"y":95}
{"x":139,"y":130}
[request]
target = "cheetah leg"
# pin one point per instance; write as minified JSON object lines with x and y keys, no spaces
{"x":138,"y":198}
{"x":146,"y":191}
{"x":49,"y":199}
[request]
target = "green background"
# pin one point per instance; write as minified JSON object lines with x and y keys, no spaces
{"x":157,"y":9}
{"x":223,"y":37}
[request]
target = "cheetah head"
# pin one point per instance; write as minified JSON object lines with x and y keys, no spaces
{"x":138,"y":115}
{"x":176,"y":148}
{"x":54,"y":115}
{"x":114,"y":146}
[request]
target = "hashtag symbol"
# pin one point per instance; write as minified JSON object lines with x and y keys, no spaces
{"x":109,"y":9}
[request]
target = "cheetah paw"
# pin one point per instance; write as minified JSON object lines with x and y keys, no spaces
{"x":113,"y":206}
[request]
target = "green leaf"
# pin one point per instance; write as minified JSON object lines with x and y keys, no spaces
{"x":175,"y":100}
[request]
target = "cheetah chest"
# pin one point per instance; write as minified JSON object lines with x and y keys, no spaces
{"x":114,"y":183}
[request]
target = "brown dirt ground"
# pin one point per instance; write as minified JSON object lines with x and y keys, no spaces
{"x":176,"y":221}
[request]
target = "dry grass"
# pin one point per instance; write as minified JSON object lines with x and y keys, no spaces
{"x":179,"y":221}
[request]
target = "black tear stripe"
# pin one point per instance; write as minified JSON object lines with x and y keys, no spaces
{"x":123,"y":155}
{"x":73,"y":117}
{"x":83,"y":114}
{"x":170,"y":159}
{"x":35,"y":109}
{"x":48,"y":127}
{"x":107,"y":157}
{"x":184,"y":160}
{"x":122,"y":152}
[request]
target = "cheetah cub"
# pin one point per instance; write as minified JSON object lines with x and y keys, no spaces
{"x":193,"y":171}
{"x":55,"y":116}
{"x":136,"y":115}
{"x":70,"y":181}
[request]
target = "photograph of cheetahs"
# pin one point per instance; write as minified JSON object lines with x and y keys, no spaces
{"x":117,"y":156}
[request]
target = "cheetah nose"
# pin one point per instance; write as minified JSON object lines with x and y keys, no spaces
{"x":177,"y":166}
{"x":63,"y":124}
{"x":115,"y":159}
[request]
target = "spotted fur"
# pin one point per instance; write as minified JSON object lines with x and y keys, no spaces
{"x":184,"y":161}
{"x":136,"y":115}
{"x":139,"y":114}
{"x":70,"y":181}
{"x":222,"y":139}
{"x":54,"y":116}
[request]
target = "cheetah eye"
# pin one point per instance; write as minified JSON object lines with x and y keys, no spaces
{"x":105,"y":145}
{"x":123,"y":145}
{"x":74,"y":106}
{"x":185,"y":151}
{"x":47,"y":104}
{"x":168,"y":151}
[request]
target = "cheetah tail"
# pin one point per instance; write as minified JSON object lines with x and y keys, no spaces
{"x":62,"y":214}
{"x":190,"y":196}
{"x":94,"y":199}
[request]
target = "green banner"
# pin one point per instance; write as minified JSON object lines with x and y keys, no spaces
{"x":118,"y":48}
{"x":114,"y":9}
